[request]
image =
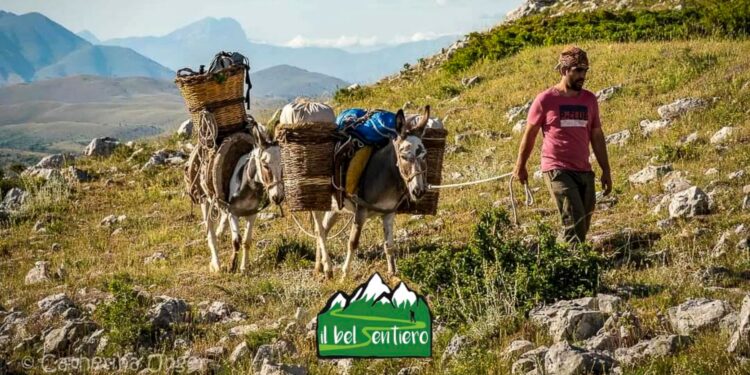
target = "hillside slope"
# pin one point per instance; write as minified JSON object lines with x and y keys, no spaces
{"x":159,"y":218}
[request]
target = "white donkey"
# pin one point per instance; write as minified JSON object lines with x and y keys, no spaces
{"x":257,"y":178}
{"x":393,"y":174}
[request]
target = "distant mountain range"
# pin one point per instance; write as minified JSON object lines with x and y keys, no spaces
{"x":288,"y":82}
{"x":33,"y":47}
{"x":196,"y":44}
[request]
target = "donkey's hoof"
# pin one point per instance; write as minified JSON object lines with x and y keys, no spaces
{"x":329,"y":275}
{"x":214,"y":268}
{"x":318,"y":268}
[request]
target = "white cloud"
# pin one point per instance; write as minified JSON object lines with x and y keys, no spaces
{"x":417,"y":37}
{"x":441,"y":2}
{"x":340,"y":42}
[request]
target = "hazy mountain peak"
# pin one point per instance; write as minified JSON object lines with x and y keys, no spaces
{"x":211,"y":28}
{"x":89,"y":37}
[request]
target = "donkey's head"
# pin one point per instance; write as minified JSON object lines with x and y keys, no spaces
{"x":267,"y":157}
{"x":411,"y":153}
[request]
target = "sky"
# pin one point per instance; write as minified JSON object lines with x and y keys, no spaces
{"x":295,"y":23}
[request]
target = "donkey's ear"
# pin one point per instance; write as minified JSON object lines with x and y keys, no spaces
{"x":260,"y":139}
{"x":401,"y":127}
{"x":420,"y":127}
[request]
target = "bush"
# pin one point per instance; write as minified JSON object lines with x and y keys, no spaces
{"x":701,"y":19}
{"x":667,"y":153}
{"x":497,"y":269}
{"x":124,"y":318}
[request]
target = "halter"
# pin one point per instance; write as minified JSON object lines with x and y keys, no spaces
{"x":406,"y":178}
{"x":261,"y":177}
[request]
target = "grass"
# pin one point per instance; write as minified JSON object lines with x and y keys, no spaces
{"x":280,"y":280}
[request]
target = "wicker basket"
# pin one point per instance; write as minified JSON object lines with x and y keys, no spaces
{"x":307,"y":157}
{"x":220,"y":93}
{"x":434,"y":142}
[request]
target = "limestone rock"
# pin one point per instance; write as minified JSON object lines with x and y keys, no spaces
{"x":569,"y":320}
{"x":168,"y":310}
{"x":243,"y":330}
{"x":516,"y":113}
{"x":605,"y":94}
{"x":649,"y":174}
{"x":722,"y":135}
{"x":60,"y":339}
{"x":657,"y":347}
{"x":680,"y":107}
{"x":698,"y":314}
{"x":689,"y":203}
{"x":649,"y":126}
{"x":186,"y":128}
{"x":739,"y":344}
{"x":101,"y":147}
{"x":565,"y":359}
{"x":454,"y":348}
{"x":619,"y":138}
{"x":517,"y":348}
{"x":39,"y":274}
{"x":239,"y":353}
{"x":54,"y":161}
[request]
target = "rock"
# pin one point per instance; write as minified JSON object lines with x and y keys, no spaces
{"x":517,"y":348}
{"x":156,"y":257}
{"x":528,"y":8}
{"x":619,"y":138}
{"x":266,"y":216}
{"x":344,"y":366}
{"x":39,"y":274}
{"x":739,"y":343}
{"x":688,"y":139}
{"x":569,"y":320}
{"x":675,"y":182}
{"x":197,"y":365}
{"x":689,"y":203}
{"x":649,"y":174}
{"x":282,"y":369}
{"x":13,"y":199}
{"x":471,"y":81}
{"x":353,"y":87}
{"x":736,"y":175}
{"x":722,"y":135}
{"x":625,"y":326}
{"x":215,"y":352}
{"x":516,"y":112}
{"x":603,"y":341}
{"x":265,"y":353}
{"x":243,"y":330}
{"x":565,"y":359}
{"x":657,"y":347}
{"x":529,"y":361}
{"x":101,"y":147}
{"x":60,"y":339}
{"x":746,"y":203}
{"x":54,"y":305}
{"x":519,"y":127}
{"x":605,"y":94}
{"x":90,"y":344}
{"x":108,"y":221}
{"x":722,"y":245}
{"x":698,"y":314}
{"x":608,"y":303}
{"x":167,"y":311}
{"x":74,"y":175}
{"x":43,"y":173}
{"x":239,"y":353}
{"x":649,"y":126}
{"x":711,"y":171}
{"x":54,"y":161}
{"x":680,"y":107}
{"x":186,"y":129}
{"x":220,"y":312}
{"x":414,"y":370}
{"x":454,"y":348}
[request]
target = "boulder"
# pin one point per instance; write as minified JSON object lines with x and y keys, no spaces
{"x":619,"y":138}
{"x":680,"y":107}
{"x":517,"y":348}
{"x":722,"y":135}
{"x":565,"y":359}
{"x":675,"y":182}
{"x":239,"y":353}
{"x":739,"y":343}
{"x":43,"y":173}
{"x":471,"y":81}
{"x":657,"y":347}
{"x":605,"y":94}
{"x":519,"y":127}
{"x":186,"y":129}
{"x":74,"y":175}
{"x":60,"y":340}
{"x":649,"y":174}
{"x":689,"y":203}
{"x":625,"y":326}
{"x":13,"y":199}
{"x":282,"y":369}
{"x":101,"y":147}
{"x":454,"y":348}
{"x":570,"y":320}
{"x":55,"y":305}
{"x":168,"y":310}
{"x":265,"y":353}
{"x":218,"y":311}
{"x":603,"y":341}
{"x":54,"y":161}
{"x":530,"y":361}
{"x":39,"y":274}
{"x":528,"y":8}
{"x":649,"y":126}
{"x":516,"y":113}
{"x":243,"y":330}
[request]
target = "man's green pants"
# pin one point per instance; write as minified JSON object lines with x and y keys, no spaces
{"x":574,"y":194}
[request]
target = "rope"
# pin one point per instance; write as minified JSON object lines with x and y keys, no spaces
{"x":529,"y":196}
{"x":308,"y":234}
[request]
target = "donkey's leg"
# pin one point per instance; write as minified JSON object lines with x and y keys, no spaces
{"x":211,"y":236}
{"x":318,"y":263}
{"x":247,"y":241}
{"x":357,"y":224}
{"x":319,"y":218}
{"x":234,"y":226}
{"x":388,"y":243}
{"x":222,"y":223}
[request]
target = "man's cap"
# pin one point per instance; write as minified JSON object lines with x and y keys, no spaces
{"x":571,"y":57}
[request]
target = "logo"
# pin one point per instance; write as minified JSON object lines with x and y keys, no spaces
{"x":375,"y":322}
{"x":574,"y":116}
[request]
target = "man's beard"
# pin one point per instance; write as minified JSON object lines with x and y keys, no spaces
{"x":576,"y":85}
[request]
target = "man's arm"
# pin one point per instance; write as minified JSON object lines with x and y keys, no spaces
{"x":599,"y":144}
{"x":524,"y":151}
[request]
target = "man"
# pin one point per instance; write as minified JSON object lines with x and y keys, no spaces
{"x":568,"y":116}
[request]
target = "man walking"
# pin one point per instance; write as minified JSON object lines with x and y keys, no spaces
{"x":568,"y":116}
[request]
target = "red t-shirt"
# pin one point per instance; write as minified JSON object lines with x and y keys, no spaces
{"x":566,"y":126}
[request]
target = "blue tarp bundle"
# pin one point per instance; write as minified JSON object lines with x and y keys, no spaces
{"x":377,"y":129}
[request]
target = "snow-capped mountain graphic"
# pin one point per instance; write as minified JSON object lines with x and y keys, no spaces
{"x":375,"y":293}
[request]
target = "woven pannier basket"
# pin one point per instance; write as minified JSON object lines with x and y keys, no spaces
{"x":434,"y":141}
{"x":307,"y":157}
{"x":221,"y":93}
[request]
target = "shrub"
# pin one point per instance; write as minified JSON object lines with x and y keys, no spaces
{"x":498,"y":270}
{"x":667,"y":153}
{"x":124,"y":318}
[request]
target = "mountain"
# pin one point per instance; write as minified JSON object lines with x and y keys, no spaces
{"x":197,"y":43}
{"x":288,"y":82}
{"x":374,"y":293}
{"x":374,"y":288}
{"x":89,"y":37}
{"x":33,"y":47}
{"x":105,"y":61}
{"x":29,"y":42}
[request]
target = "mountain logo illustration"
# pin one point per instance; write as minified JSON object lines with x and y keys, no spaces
{"x":375,"y":322}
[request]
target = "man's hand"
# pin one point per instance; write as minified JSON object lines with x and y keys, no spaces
{"x":606,"y":183}
{"x":521,"y":174}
